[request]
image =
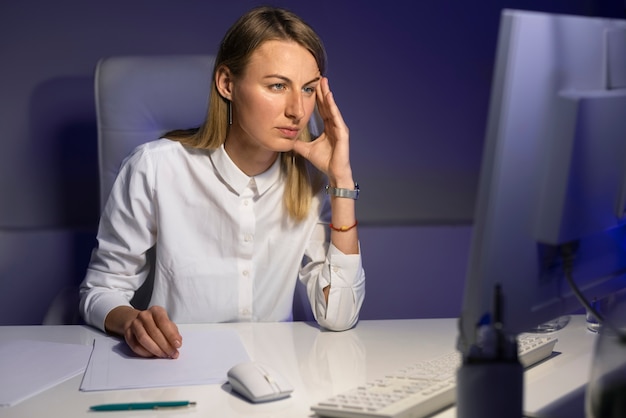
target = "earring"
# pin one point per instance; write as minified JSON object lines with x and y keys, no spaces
{"x":230,"y":112}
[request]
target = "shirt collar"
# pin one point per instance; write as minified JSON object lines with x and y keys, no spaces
{"x":237,"y":179}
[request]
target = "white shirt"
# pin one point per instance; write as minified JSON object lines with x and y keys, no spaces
{"x":226,"y":249}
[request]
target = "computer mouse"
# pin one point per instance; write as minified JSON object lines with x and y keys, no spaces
{"x":258,"y":382}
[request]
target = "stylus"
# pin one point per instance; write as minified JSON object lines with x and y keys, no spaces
{"x":140,"y":405}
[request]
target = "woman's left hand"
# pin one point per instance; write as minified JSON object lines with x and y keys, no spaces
{"x":330,"y":152}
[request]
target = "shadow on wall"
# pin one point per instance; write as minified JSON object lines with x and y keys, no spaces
{"x":414,"y":271}
{"x":63,"y":137}
{"x":38,"y":267}
{"x":44,"y":262}
{"x":62,"y":306}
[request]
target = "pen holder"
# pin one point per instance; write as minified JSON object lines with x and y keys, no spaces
{"x":490,"y":389}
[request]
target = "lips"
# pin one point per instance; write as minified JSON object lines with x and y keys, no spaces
{"x":290,"y":133}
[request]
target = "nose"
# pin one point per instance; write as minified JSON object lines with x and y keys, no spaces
{"x":294,"y":108}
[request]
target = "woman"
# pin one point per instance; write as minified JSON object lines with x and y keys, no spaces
{"x":236,"y":208}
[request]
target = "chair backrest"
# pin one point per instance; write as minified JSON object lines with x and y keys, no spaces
{"x":140,"y":98}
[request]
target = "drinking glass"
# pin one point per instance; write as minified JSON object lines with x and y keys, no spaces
{"x":553,"y":325}
{"x":606,"y":391}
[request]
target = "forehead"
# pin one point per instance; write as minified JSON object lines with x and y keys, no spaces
{"x":285,"y":58}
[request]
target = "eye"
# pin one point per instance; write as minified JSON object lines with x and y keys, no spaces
{"x":309,"y":90}
{"x":278,"y":87}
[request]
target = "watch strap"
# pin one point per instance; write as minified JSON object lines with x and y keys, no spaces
{"x":346,"y":193}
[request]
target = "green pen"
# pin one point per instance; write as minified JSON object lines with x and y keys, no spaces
{"x":141,"y":405}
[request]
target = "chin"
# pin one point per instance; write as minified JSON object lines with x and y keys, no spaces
{"x":284,"y":145}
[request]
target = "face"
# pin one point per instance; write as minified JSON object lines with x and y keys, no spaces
{"x":274,"y":99}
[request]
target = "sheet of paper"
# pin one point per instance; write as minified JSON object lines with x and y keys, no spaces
{"x":205,"y":357}
{"x":29,"y":367}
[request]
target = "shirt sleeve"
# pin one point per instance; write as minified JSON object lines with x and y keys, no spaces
{"x":118,"y":265}
{"x":325,"y":265}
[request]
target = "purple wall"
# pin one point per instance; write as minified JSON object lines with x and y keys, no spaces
{"x":412,"y":80}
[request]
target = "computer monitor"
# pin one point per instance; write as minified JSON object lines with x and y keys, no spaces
{"x":553,"y":174}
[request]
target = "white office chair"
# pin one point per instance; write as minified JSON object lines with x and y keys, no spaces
{"x":140,"y":98}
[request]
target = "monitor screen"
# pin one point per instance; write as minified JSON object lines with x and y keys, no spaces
{"x":553,"y":173}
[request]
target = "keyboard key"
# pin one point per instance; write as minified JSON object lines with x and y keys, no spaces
{"x":421,"y":389}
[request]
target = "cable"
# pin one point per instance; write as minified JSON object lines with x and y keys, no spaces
{"x":567,"y":253}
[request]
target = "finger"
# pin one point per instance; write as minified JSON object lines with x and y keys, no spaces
{"x":164,"y":332}
{"x":170,"y":333}
{"x":141,"y":333}
{"x":306,"y":150}
{"x":325,"y":86}
{"x":148,"y":334}
{"x":329,"y":111}
{"x":134,"y":345}
{"x":322,"y":90}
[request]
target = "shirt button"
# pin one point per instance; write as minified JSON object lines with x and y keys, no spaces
{"x":247,"y":237}
{"x":245,"y":273}
{"x":246,"y":202}
{"x":245,"y":312}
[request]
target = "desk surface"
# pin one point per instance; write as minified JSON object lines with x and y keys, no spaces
{"x":318,"y":364}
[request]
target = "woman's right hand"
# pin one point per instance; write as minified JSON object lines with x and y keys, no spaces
{"x":148,"y":333}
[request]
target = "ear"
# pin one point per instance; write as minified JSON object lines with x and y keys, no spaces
{"x":224,"y":82}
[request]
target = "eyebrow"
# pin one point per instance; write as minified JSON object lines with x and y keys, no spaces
{"x":282,"y":77}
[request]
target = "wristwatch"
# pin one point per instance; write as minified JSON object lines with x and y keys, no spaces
{"x":347,"y":193}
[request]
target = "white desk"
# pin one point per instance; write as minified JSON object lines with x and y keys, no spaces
{"x":318,"y":364}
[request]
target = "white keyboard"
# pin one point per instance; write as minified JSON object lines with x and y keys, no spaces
{"x":421,"y":389}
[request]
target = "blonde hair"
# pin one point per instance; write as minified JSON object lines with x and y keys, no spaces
{"x":259,"y":25}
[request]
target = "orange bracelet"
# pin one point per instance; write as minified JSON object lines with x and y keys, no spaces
{"x":343,"y":228}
